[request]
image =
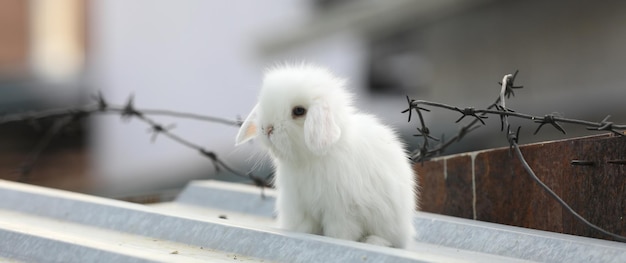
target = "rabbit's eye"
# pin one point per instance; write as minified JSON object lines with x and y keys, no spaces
{"x":298,"y":111}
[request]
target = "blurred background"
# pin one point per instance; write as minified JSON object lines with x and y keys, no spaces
{"x":207,"y":57}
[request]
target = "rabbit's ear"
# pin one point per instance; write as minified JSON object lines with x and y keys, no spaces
{"x":248,"y":129}
{"x":320,"y":129}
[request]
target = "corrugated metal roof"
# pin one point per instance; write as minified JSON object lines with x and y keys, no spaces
{"x":224,"y":222}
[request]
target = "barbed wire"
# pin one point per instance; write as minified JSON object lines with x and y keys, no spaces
{"x":103,"y":107}
{"x":64,"y":117}
{"x":426,"y":151}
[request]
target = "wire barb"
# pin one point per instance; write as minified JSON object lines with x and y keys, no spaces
{"x":413,"y":105}
{"x":549,"y":119}
{"x":129,"y":110}
{"x":102,"y":104}
{"x":157,"y":129}
{"x":606,"y":125}
{"x":510,"y":87}
{"x":425,"y":132}
{"x":470,"y":112}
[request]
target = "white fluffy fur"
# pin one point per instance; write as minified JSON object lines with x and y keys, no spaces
{"x":339,"y":172}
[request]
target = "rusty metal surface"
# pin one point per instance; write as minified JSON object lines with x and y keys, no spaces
{"x":446,"y":191}
{"x":502,"y":192}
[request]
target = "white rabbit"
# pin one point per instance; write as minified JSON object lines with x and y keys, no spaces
{"x":339,"y":172}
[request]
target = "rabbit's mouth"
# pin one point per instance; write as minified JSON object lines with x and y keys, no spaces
{"x":268,"y":133}
{"x":270,"y":130}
